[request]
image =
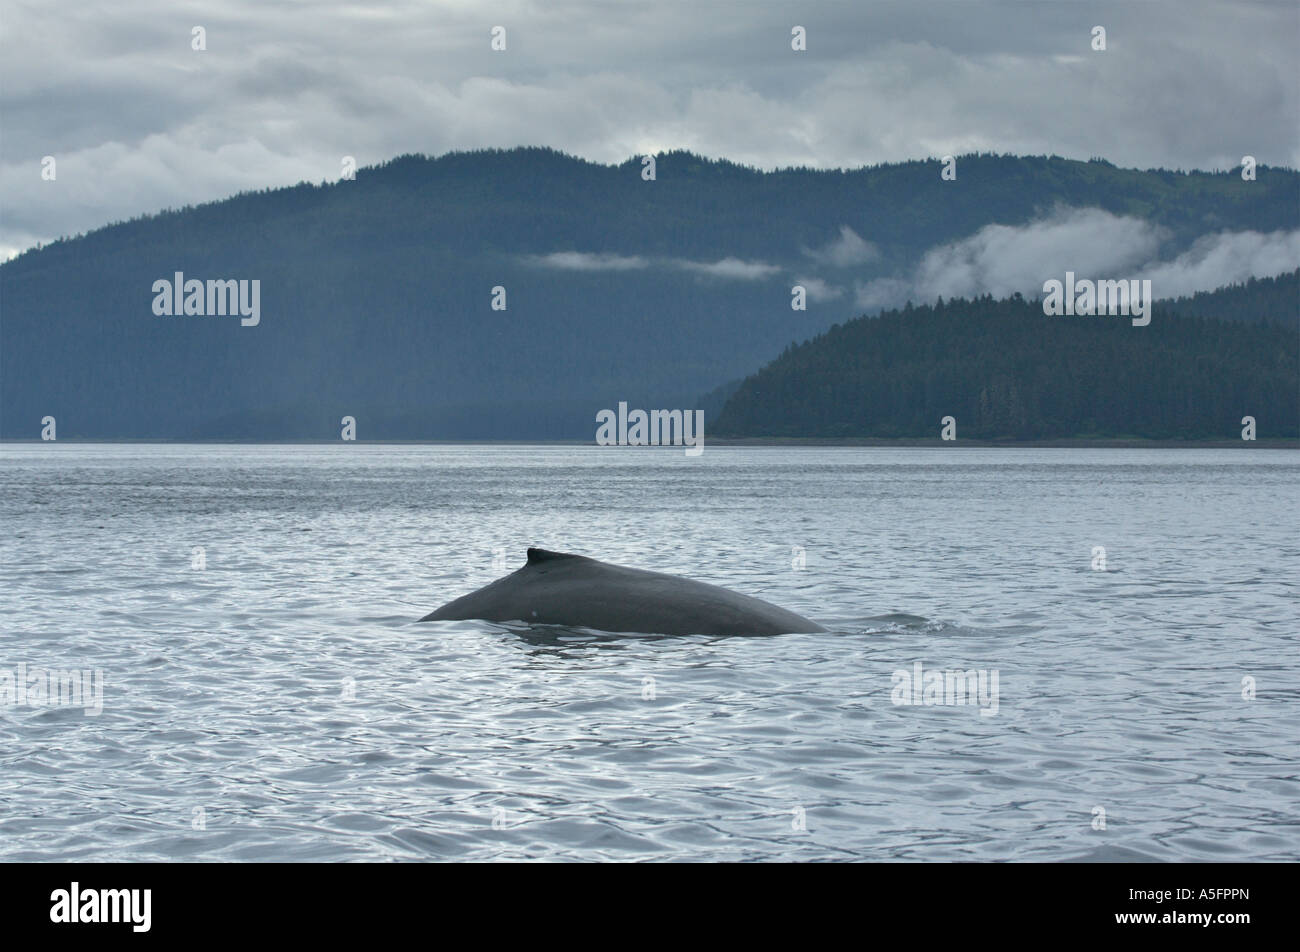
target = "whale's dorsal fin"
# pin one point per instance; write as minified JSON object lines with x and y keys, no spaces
{"x":537,"y":556}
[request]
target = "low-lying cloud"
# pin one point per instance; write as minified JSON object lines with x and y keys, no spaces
{"x":819,"y":290}
{"x":846,"y":251}
{"x":730,"y":268}
{"x":1095,"y":244}
{"x":586,"y":261}
{"x":1226,"y":258}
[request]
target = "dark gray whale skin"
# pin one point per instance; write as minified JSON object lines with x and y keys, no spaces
{"x":572,"y":590}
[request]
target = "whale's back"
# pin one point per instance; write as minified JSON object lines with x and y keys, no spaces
{"x":556,"y":588}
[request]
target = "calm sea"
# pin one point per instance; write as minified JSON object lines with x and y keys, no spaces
{"x":248,"y":613}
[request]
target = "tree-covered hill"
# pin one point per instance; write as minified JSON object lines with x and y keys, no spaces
{"x":376,"y":293}
{"x":1004,"y":370}
{"x":1259,"y":299}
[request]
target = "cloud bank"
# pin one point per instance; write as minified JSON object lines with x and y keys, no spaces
{"x":1095,"y":244}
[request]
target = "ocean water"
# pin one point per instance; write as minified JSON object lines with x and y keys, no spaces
{"x":271,"y":697}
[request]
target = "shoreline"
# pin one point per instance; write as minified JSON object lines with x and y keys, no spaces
{"x":1291,"y":443}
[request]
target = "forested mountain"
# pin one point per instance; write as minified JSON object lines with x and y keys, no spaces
{"x":375,"y":293}
{"x":1004,"y":370}
{"x":1259,"y":299}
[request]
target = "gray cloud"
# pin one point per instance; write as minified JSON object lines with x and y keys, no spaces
{"x":727,"y":268}
{"x":1225,"y":258}
{"x":731,"y":268}
{"x":846,"y":251}
{"x":583,"y":261}
{"x":138,"y":121}
{"x":1003,"y":259}
{"x":1095,"y":244}
{"x":819,"y":290}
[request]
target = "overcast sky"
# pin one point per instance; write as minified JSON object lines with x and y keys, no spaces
{"x":137,"y":120}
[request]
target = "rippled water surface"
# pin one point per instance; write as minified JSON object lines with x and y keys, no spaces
{"x":280,"y":702}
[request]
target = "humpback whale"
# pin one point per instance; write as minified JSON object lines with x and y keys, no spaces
{"x":555,"y":588}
